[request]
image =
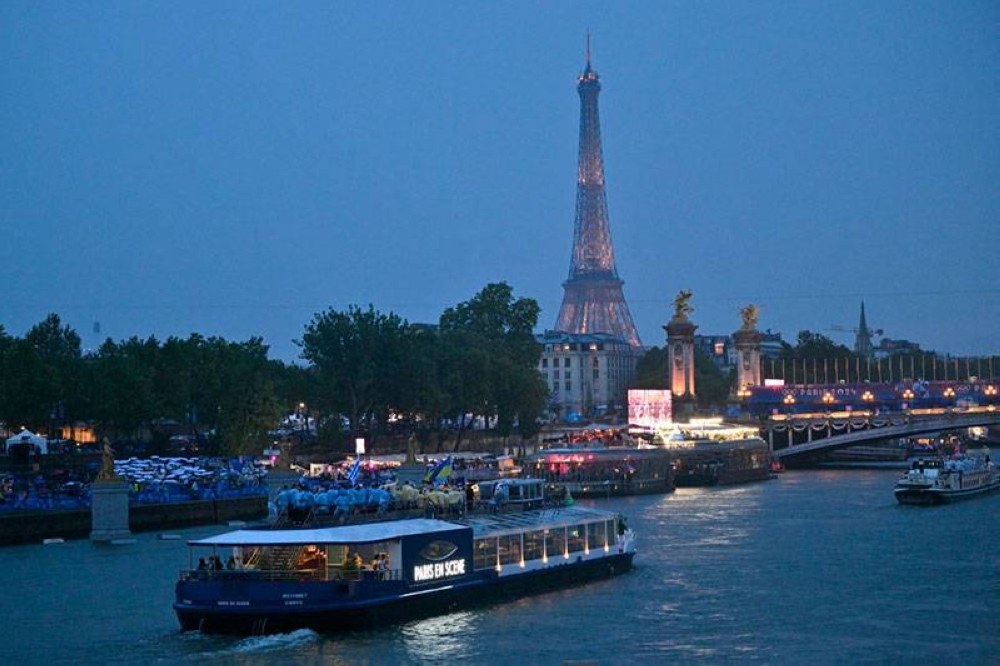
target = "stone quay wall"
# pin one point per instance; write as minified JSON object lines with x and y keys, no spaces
{"x":34,"y":526}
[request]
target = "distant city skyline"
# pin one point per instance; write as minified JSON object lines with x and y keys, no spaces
{"x":232,"y":171}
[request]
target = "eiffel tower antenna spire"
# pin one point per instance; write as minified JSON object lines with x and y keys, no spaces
{"x":588,"y":49}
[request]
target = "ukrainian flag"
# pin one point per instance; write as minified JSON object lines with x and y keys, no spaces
{"x":441,"y":472}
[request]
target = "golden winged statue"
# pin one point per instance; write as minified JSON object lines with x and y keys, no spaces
{"x":750,"y":314}
{"x":682,"y":305}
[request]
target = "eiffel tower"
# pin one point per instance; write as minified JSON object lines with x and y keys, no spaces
{"x":593,"y":301}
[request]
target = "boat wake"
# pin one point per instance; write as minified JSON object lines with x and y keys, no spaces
{"x":299,"y":637}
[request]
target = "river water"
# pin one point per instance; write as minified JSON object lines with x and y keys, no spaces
{"x":819,"y":567}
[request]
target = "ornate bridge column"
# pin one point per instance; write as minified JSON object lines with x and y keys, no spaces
{"x":680,"y":348}
{"x":748,"y":349}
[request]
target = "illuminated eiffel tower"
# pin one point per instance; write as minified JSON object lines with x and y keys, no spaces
{"x":593,"y":301}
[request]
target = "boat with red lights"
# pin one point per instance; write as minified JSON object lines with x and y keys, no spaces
{"x":362,"y":575}
{"x":601,"y":471}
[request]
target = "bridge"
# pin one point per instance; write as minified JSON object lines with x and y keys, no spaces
{"x":802,"y":436}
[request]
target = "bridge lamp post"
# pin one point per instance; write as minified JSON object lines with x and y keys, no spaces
{"x":868,"y":397}
{"x":949,"y":396}
{"x":907,"y":396}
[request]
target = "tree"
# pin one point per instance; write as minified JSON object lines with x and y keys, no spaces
{"x":49,"y":386}
{"x":124,"y":392}
{"x":651,"y":370}
{"x":359,"y":357}
{"x":492,"y":369}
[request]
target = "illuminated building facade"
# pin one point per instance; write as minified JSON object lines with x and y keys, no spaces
{"x":587,"y":374}
{"x":593,"y":301}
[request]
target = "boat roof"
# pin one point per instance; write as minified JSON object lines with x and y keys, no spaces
{"x":481,"y":524}
{"x":360,"y":533}
{"x":522,"y":521}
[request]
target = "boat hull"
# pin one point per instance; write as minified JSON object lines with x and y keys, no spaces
{"x":937,"y":496}
{"x":205,"y":613}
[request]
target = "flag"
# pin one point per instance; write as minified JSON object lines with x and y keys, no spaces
{"x":355,"y":471}
{"x":440,"y":472}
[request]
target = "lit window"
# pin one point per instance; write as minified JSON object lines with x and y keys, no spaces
{"x":720,"y":348}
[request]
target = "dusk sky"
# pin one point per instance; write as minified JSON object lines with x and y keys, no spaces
{"x":234,"y":168}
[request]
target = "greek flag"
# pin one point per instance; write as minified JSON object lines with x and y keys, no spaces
{"x":355,"y":471}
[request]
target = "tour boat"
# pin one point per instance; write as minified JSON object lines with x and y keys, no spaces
{"x":370,"y":574}
{"x":942,"y":480}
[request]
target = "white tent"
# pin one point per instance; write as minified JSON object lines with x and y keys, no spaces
{"x":30,"y":438}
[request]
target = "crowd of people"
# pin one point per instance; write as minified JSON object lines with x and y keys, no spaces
{"x":335,"y":495}
{"x":154,"y":480}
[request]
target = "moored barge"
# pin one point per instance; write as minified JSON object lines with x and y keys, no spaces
{"x":602,"y":471}
{"x":363,"y":575}
{"x":711,"y":463}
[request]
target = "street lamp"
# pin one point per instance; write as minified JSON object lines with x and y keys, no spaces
{"x":304,"y":415}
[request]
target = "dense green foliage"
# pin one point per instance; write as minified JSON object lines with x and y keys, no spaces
{"x":374,"y":372}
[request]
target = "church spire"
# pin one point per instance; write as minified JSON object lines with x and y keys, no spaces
{"x":863,"y":339}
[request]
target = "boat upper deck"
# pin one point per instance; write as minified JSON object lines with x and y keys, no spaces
{"x":481,"y":525}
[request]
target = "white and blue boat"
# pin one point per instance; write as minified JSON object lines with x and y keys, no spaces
{"x":371,"y":574}
{"x":932,"y":481}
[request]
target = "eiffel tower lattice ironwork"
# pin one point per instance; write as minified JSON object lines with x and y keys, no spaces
{"x":593,"y":301}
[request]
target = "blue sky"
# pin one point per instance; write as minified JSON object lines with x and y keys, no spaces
{"x":233,"y":168}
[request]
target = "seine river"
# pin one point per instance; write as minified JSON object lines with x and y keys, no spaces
{"x":813,"y":567}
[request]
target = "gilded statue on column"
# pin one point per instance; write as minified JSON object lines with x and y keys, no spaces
{"x":750,"y":314}
{"x":682,"y":304}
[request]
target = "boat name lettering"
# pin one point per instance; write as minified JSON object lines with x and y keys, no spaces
{"x":295,"y":595}
{"x":232,"y":603}
{"x":423,"y":572}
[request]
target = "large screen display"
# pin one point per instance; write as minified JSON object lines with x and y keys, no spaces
{"x":650,"y":408}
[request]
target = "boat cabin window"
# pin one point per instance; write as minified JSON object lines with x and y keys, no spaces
{"x":576,"y":538}
{"x":485,"y":553}
{"x":555,"y":541}
{"x":510,"y":549}
{"x":596,"y":535}
{"x":534,"y":543}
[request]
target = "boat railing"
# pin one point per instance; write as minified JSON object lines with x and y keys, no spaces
{"x":298,"y":575}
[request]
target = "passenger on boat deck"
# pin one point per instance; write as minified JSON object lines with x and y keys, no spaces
{"x":231,"y":564}
{"x":202,"y":565}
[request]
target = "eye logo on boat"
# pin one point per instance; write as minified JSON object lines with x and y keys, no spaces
{"x":438,"y":550}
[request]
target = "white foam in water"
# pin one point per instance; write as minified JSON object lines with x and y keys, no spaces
{"x":275,"y":641}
